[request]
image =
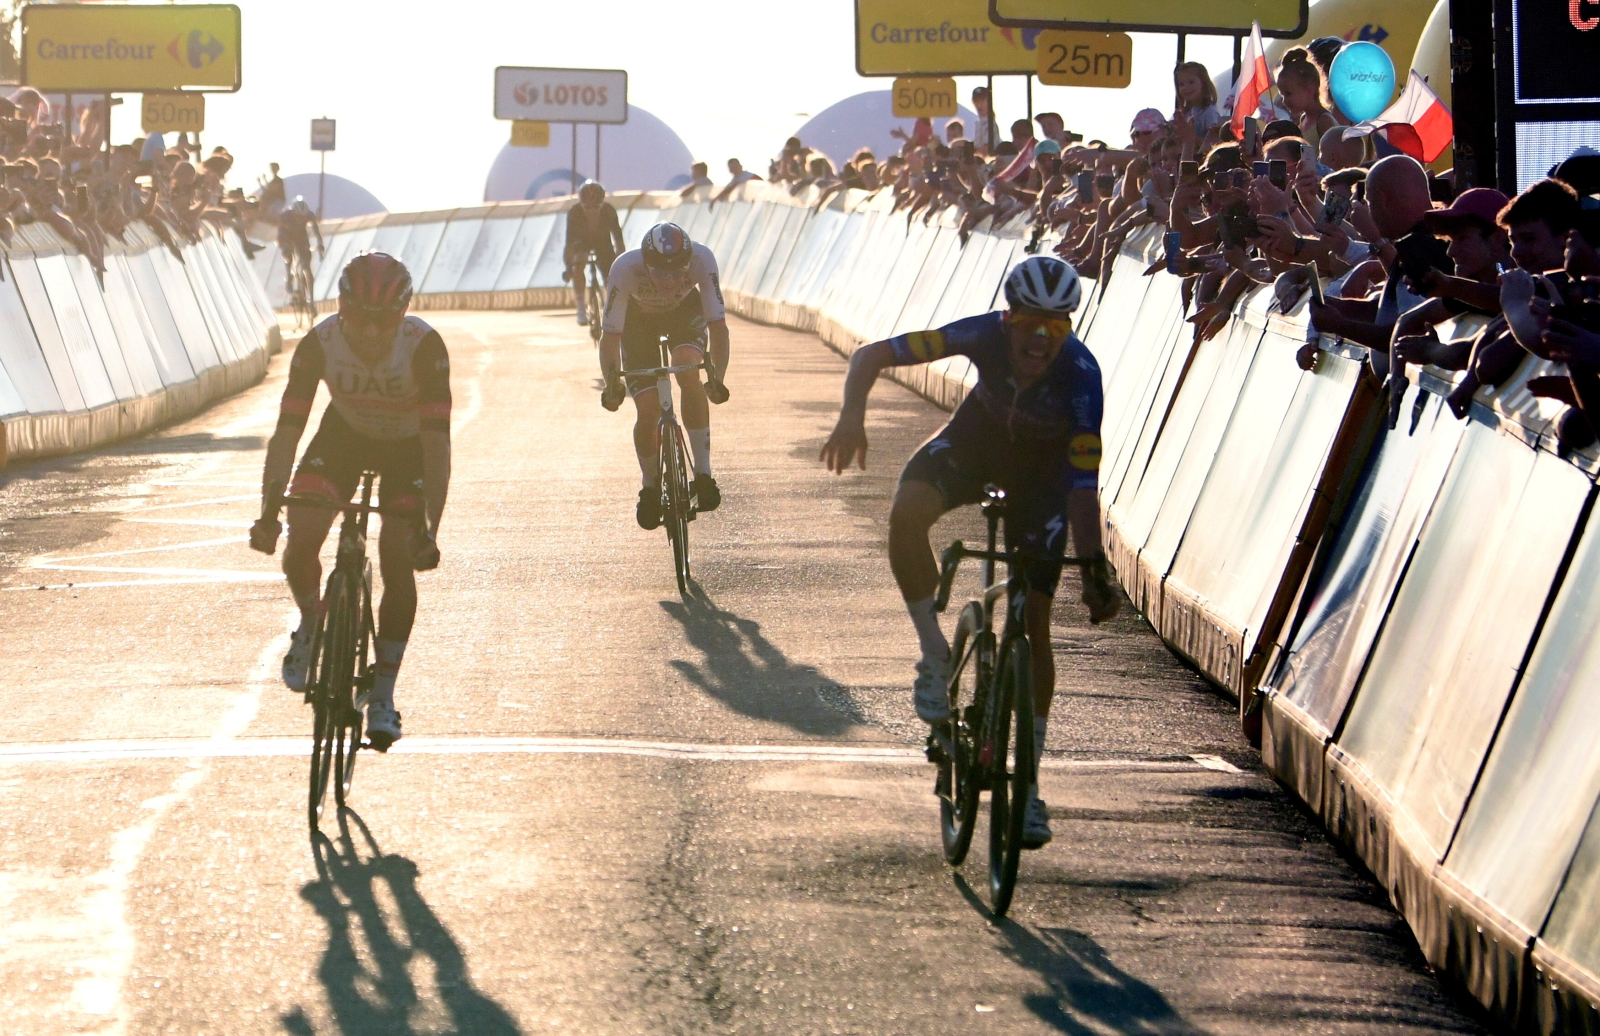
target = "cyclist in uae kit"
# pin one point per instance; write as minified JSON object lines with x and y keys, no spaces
{"x":296,"y":224}
{"x":388,"y":376}
{"x":1030,"y":426}
{"x":666,"y":287}
{"x":592,"y":226}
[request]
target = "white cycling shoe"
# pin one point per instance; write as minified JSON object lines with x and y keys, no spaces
{"x":583,"y":319}
{"x":931,"y":692}
{"x":1036,"y":824}
{"x":383,"y":725}
{"x":297,"y":662}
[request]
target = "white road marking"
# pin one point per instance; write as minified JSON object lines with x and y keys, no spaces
{"x":260,"y":748}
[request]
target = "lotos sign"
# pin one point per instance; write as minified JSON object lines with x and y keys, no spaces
{"x":939,"y":38}
{"x":561,"y":94}
{"x":106,"y":48}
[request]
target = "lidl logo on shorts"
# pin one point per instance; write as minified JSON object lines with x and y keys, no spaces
{"x":1084,"y":451}
{"x":926,"y":345}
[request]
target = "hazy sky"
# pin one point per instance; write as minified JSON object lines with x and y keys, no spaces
{"x":411,"y":83}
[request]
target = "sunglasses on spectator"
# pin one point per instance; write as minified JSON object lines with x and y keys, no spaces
{"x":1039,"y":324}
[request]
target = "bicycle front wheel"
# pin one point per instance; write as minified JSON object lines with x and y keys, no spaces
{"x":333,"y":748}
{"x":349,"y":735}
{"x":1013,"y":773}
{"x":960,"y":777}
{"x":675,"y":480}
{"x":596,"y":308}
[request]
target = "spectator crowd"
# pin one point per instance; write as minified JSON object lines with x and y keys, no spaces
{"x":59,"y":171}
{"x":1295,"y":194}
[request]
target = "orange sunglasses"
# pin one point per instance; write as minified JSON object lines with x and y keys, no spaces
{"x":1037,"y":324}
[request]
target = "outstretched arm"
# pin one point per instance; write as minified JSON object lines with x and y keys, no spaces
{"x":849,"y":439}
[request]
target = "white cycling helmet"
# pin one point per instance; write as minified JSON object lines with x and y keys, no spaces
{"x":1044,"y":283}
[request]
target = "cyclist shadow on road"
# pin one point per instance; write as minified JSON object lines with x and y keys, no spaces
{"x":1089,"y":995}
{"x":371,"y":957}
{"x":745,"y":671}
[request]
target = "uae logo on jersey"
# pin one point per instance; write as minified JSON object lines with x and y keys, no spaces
{"x":1083,"y":452}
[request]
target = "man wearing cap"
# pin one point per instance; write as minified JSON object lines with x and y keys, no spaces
{"x":1478,"y":247}
{"x":1046,"y":163}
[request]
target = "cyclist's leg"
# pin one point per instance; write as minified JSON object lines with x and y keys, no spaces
{"x":575,"y":278}
{"x":640,"y":349}
{"x":1038,"y":522}
{"x":330,"y":468}
{"x":687,"y":328}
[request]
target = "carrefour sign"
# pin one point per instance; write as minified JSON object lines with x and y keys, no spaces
{"x":561,"y":94}
{"x":938,"y":38}
{"x":108,"y":48}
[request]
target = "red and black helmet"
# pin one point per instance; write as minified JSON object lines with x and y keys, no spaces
{"x":375,"y":282}
{"x":666,"y":247}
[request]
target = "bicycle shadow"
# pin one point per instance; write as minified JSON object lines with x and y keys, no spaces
{"x":368,"y":965}
{"x":1089,"y":995}
{"x":747,"y":672}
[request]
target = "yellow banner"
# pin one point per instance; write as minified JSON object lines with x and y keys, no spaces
{"x":937,"y":37}
{"x":1102,"y":59}
{"x":110,"y":48}
{"x":530,"y":133}
{"x":172,"y":113}
{"x":1220,"y":17}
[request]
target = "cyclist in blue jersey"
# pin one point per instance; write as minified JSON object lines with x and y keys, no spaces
{"x":1031,"y":426}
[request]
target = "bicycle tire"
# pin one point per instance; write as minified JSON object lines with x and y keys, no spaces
{"x":961,"y":779}
{"x":1010,"y":783}
{"x":349,"y":735}
{"x":596,"y":309}
{"x":334,"y":701}
{"x":675,"y":479}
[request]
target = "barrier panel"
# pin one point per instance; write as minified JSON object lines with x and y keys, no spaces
{"x":1411,"y":609}
{"x":85,"y":360}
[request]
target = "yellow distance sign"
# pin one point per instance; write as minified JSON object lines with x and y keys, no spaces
{"x":529,"y":133}
{"x":1216,"y":17}
{"x":924,"y":98}
{"x":173,"y":113}
{"x":936,"y":38}
{"x":1102,"y":59}
{"x":130,"y":48}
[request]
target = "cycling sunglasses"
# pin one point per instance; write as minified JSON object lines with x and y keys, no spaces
{"x":1038,"y":324}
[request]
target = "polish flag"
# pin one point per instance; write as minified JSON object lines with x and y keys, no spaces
{"x":1417,"y":122}
{"x":1254,"y":81}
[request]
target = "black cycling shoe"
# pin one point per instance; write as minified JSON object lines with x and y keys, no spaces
{"x":707,"y":496}
{"x":649,"y":509}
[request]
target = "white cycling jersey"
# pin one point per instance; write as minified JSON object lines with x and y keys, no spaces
{"x":630,"y":281}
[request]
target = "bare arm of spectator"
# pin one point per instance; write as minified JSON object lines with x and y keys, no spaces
{"x":1477,"y":294}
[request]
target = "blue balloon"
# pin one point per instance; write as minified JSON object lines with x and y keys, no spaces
{"x":1361,"y":80}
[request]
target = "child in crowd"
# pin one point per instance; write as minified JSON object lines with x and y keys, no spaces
{"x":1304,"y":93}
{"x":1196,"y":106}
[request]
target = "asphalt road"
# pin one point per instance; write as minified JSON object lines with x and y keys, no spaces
{"x":615,"y":810}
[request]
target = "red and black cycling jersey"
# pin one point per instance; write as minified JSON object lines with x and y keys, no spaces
{"x":405,"y":392}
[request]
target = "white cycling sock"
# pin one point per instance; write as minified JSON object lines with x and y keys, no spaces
{"x":649,"y":474}
{"x":929,"y":635}
{"x":700,"y":446}
{"x":1040,"y":725}
{"x":390,"y":653}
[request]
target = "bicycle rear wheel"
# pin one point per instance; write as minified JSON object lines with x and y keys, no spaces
{"x":675,"y":480}
{"x":960,"y":778}
{"x":1013,"y":772}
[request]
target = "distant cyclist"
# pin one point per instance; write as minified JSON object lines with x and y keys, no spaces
{"x":592,"y":226}
{"x":388,"y":376}
{"x":296,"y":224}
{"x":1031,"y":426}
{"x":666,"y":286}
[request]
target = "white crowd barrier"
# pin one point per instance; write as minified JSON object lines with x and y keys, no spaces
{"x":84,"y":362}
{"x":1412,"y":609}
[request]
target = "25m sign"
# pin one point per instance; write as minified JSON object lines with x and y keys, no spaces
{"x":1101,"y":59}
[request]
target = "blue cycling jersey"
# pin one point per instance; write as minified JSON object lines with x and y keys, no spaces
{"x":1059,"y":414}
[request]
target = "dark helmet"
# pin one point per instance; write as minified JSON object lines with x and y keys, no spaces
{"x":591,"y":191}
{"x":375,"y":282}
{"x":666,"y":247}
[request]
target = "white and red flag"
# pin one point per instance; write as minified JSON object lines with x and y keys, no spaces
{"x":1254,"y":81}
{"x":1417,"y":122}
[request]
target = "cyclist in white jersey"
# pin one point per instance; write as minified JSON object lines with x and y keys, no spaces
{"x":667,"y":286}
{"x":388,"y":376}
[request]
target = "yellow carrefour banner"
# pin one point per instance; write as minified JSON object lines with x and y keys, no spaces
{"x":105,"y":48}
{"x":937,"y":37}
{"x":1222,"y":17}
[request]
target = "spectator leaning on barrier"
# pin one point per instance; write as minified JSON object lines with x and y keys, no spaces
{"x":737,"y":174}
{"x":1478,"y":247}
{"x":697,"y":178}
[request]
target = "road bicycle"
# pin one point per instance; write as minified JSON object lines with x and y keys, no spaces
{"x":987,"y":744}
{"x":340,"y":677}
{"x":678,"y":506}
{"x":301,"y":290}
{"x":597,"y":298}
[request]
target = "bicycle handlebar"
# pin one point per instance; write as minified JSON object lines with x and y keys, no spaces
{"x":644,"y":372}
{"x":951,"y":559}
